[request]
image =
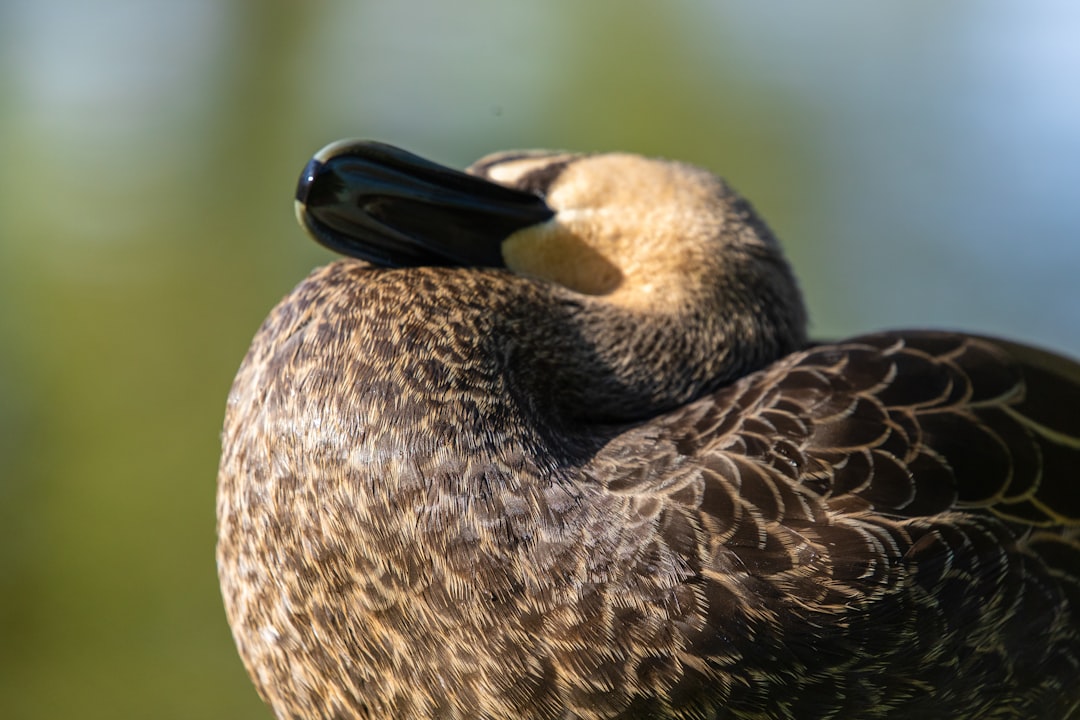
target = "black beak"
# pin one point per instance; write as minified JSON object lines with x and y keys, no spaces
{"x":393,"y":208}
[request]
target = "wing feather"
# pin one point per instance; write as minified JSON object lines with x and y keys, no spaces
{"x":894,"y":506}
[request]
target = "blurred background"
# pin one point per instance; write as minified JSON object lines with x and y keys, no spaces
{"x":920,"y":161}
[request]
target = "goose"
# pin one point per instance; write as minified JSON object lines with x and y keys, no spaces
{"x":551,"y":442}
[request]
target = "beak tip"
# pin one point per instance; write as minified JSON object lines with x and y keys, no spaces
{"x":307,"y":179}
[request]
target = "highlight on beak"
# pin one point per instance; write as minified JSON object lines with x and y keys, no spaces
{"x":392,"y":208}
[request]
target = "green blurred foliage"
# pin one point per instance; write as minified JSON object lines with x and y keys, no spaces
{"x":144,"y":236}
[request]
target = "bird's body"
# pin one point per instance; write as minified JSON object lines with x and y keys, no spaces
{"x":615,"y":481}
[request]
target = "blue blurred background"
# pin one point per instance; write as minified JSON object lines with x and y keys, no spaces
{"x":920,"y":161}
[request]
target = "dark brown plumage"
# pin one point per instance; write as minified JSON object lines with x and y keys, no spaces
{"x":615,"y":481}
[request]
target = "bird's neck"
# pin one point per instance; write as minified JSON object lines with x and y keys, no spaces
{"x":496,"y":368}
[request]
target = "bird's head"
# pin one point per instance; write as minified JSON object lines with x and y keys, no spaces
{"x":678,"y":285}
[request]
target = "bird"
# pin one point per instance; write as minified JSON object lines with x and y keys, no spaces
{"x":551,"y":441}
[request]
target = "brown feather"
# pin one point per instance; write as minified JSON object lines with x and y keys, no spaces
{"x":453,"y":492}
